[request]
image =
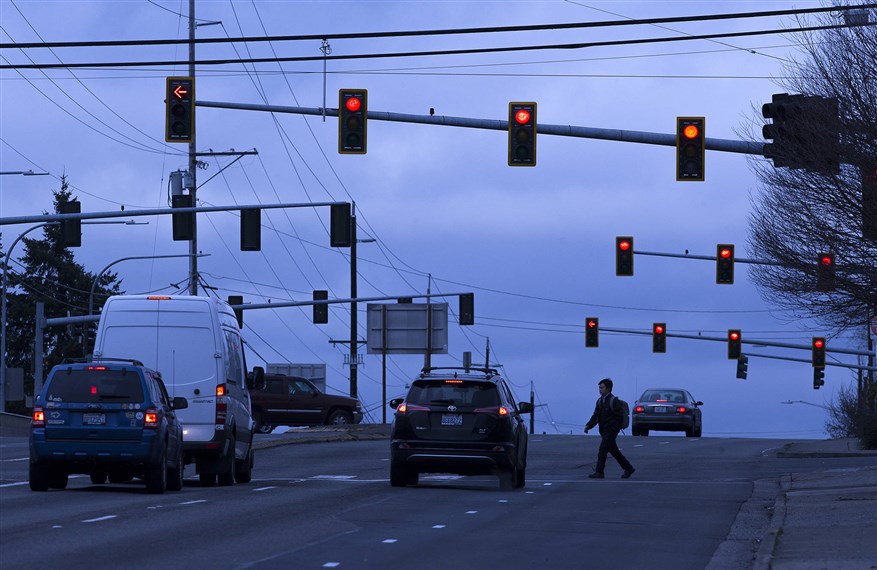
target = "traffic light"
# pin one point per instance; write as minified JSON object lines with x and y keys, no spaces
{"x":624,"y":256}
{"x":742,"y":367}
{"x":592,"y":332}
{"x":179,"y":102}
{"x":339,"y":225}
{"x":869,"y":202}
{"x":522,"y":134}
{"x":234,"y":300}
{"x":467,"y":309}
{"x":71,"y":230}
{"x":818,"y":378}
{"x":352,"y":121}
{"x":690,"y":148}
{"x":735,"y":344}
{"x":659,"y":337}
{"x":184,"y":222}
{"x":818,"y":352}
{"x":725,"y":264}
{"x":825,"y":273}
{"x":251,"y":229}
{"x":805,"y":132}
{"x":321,"y":311}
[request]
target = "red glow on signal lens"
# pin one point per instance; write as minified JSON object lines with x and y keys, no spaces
{"x":624,"y":245}
{"x":734,"y":336}
{"x":353,"y":104}
{"x":690,"y":131}
{"x":659,"y":330}
{"x":522,"y":116}
{"x":826,"y":260}
{"x":725,"y":253}
{"x":592,"y":324}
{"x":818,"y":343}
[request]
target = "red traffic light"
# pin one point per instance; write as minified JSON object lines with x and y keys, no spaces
{"x":659,"y":329}
{"x":690,"y":131}
{"x":734,"y":335}
{"x":725,"y":253}
{"x":826,"y":260}
{"x":592,"y":323}
{"x":818,"y":343}
{"x":624,"y":245}
{"x":353,"y":104}
{"x":522,"y":116}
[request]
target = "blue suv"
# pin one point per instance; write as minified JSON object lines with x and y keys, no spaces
{"x":111,"y":419}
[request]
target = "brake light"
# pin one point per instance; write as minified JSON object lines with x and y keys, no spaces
{"x":662,"y":400}
{"x":639,"y":410}
{"x":39,"y":417}
{"x":221,"y":411}
{"x":150,"y":418}
{"x":95,"y":367}
{"x":503,"y":411}
{"x":159,"y":298}
{"x":220,"y":390}
{"x":404,"y":408}
{"x":453,"y":381}
{"x":94,"y":390}
{"x":681,"y":409}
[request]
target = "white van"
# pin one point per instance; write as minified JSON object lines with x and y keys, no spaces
{"x":195,"y":343}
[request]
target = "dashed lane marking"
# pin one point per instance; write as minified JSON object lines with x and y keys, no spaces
{"x":99,"y":519}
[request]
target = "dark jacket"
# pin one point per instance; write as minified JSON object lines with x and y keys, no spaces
{"x":609,"y":417}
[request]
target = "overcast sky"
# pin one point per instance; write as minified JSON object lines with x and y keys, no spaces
{"x":535,"y":245}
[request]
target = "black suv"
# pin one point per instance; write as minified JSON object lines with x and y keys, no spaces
{"x":110,"y":419}
{"x":459,"y":420}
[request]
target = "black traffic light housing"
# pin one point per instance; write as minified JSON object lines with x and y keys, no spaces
{"x":183,"y":222}
{"x":825,"y":273}
{"x":467,"y":309}
{"x":659,"y":337}
{"x":180,"y":110}
{"x":340,"y":225}
{"x":818,"y":350}
{"x":235,"y":300}
{"x":251,"y":229}
{"x":690,"y":148}
{"x":592,"y":332}
{"x":624,"y":256}
{"x":742,"y":367}
{"x":818,"y":378}
{"x":321,"y":311}
{"x":725,"y":264}
{"x":71,"y":230}
{"x":805,"y":132}
{"x":735,"y":344}
{"x":352,"y":121}
{"x":522,"y":134}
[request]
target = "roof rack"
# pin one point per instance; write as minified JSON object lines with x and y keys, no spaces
{"x":91,"y":359}
{"x":487,"y":371}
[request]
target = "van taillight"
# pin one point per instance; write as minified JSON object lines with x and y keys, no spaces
{"x":39,"y":417}
{"x":150,"y":418}
{"x":220,"y":390}
{"x":221,"y":411}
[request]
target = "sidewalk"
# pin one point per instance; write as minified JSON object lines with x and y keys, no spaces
{"x":825,"y":519}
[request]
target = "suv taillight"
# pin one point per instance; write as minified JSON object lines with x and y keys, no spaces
{"x":39,"y":417}
{"x":150,"y":418}
{"x":404,"y":408}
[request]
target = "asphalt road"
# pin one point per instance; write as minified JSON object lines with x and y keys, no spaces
{"x":330,"y":505}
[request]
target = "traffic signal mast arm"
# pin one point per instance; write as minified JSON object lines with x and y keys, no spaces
{"x":709,"y":258}
{"x":280,"y":304}
{"x":722,"y":145}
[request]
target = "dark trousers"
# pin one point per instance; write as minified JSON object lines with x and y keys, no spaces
{"x":609,"y":446}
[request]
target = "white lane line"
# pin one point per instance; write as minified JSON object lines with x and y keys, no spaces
{"x":263,"y":489}
{"x":331,"y":564}
{"x":389,"y":540}
{"x":16,"y":459}
{"x":638,"y":445}
{"x":471,"y":512}
{"x":529,"y":492}
{"x":503,"y":501}
{"x":99,"y":519}
{"x":546,"y":484}
{"x":663,"y":442}
{"x":13,"y":484}
{"x":438,"y":526}
{"x":195,"y":501}
{"x":333,"y":477}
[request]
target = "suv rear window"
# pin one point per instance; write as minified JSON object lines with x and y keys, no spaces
{"x":88,"y":386}
{"x":457,"y":392}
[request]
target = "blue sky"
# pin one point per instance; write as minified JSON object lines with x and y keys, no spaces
{"x":535,"y":245}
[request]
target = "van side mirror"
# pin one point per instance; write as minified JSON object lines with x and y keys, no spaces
{"x":180,"y":403}
{"x":525,"y":407}
{"x":394,"y":403}
{"x":256,"y":379}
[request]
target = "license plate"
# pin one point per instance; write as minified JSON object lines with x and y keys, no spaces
{"x":94,"y":419}
{"x":660,"y":410}
{"x":452,"y":420}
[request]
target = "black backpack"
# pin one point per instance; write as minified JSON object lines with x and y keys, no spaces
{"x":625,"y":412}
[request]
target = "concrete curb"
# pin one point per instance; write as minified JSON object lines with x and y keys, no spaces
{"x":775,"y":528}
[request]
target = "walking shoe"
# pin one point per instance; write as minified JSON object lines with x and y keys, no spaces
{"x":627,"y":473}
{"x":596,"y":475}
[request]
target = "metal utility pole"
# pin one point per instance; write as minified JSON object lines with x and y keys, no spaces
{"x":193,"y":164}
{"x":353,"y":332}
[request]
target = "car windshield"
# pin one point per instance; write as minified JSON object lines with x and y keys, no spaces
{"x":672,"y":396}
{"x":457,"y":392}
{"x":91,"y":386}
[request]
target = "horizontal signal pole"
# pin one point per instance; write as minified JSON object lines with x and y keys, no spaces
{"x":156,"y":211}
{"x":709,"y":258}
{"x":838,"y":364}
{"x":744,"y":341}
{"x":723,"y":145}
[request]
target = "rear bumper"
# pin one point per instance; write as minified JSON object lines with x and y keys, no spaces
{"x":662,"y":422}
{"x":357,"y":417}
{"x":86,"y":452}
{"x":452,"y":457}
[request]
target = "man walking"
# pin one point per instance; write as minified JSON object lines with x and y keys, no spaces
{"x":608,"y":414}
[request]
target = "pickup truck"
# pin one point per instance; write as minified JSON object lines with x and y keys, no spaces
{"x":295,"y":401}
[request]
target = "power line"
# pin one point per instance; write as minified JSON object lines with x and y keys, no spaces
{"x":468,"y":51}
{"x":446,"y":31}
